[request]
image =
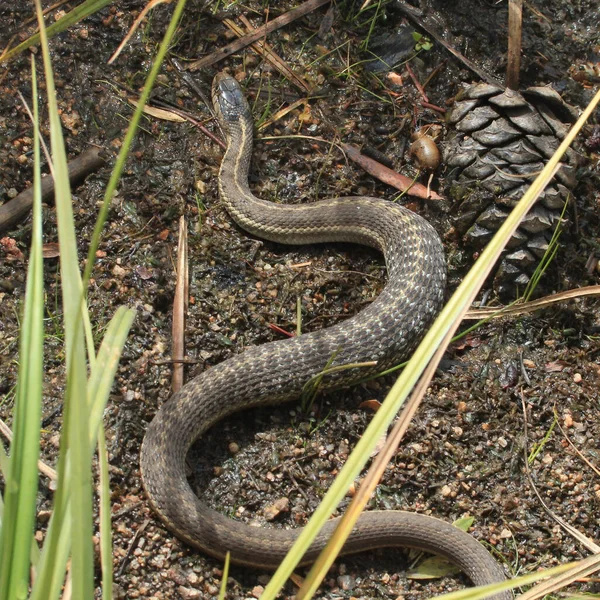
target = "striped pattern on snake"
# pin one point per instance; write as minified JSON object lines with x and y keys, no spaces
{"x":386,"y":331}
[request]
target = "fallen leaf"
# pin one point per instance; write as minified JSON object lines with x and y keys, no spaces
{"x":144,"y":272}
{"x":556,"y":366}
{"x":464,"y":523}
{"x":379,"y":446}
{"x":372,"y":404}
{"x":160,"y":113}
{"x":50,"y":250}
{"x":432,"y":568}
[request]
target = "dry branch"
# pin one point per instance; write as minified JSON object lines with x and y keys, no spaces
{"x":16,"y":209}
{"x":389,"y":176}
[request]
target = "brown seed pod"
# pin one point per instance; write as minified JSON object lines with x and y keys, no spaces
{"x":425,"y":151}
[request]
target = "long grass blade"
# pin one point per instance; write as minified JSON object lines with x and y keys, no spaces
{"x":22,"y":472}
{"x":76,"y":409}
{"x":56,"y":549}
{"x":105,"y":520}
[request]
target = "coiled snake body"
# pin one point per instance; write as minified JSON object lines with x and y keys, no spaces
{"x":386,"y":331}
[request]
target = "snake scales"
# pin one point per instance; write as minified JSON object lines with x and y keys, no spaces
{"x":276,"y":372}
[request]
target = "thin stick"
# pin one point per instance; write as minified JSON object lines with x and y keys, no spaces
{"x":258,"y":33}
{"x":180,"y":308}
{"x":389,"y":176}
{"x":46,"y":470}
{"x":515,"y":24}
{"x":517,"y":309}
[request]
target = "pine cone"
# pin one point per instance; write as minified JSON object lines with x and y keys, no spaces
{"x":503,"y":139}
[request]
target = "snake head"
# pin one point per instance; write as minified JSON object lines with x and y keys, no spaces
{"x":228,"y":99}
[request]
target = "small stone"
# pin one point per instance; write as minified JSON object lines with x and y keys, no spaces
{"x":446,"y":491}
{"x":346,"y":582}
{"x":505,"y":534}
{"x":119,"y":271}
{"x":577,"y":378}
{"x":502,"y":442}
{"x":233,"y":448}
{"x":188,"y":593}
{"x":274,"y":510}
{"x":257,"y":591}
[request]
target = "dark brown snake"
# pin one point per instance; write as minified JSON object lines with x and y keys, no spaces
{"x":276,"y":372}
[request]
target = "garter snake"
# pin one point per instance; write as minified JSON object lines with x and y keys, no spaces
{"x":386,"y":331}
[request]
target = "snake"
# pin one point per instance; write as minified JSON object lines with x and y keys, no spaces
{"x":385,"y":332}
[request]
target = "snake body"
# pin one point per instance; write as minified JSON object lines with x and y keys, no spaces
{"x":276,"y":372}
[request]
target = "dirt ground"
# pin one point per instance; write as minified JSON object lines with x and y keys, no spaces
{"x":464,"y":453}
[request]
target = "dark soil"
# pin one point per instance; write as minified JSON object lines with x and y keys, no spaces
{"x":464,"y":453}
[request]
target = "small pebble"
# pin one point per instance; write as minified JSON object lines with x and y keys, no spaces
{"x":188,"y":593}
{"x":346,"y":582}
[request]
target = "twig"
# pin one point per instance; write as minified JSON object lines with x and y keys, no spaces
{"x":275,"y":24}
{"x":584,"y":568}
{"x":517,"y":309}
{"x":49,"y":472}
{"x":400,"y":182}
{"x":417,"y":83}
{"x":16,"y":209}
{"x":180,"y":308}
{"x":515,"y":23}
{"x":131,"y":548}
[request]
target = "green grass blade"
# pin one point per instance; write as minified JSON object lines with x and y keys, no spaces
{"x":80,"y":489}
{"x":103,"y":371}
{"x":105,"y":520}
{"x":80,"y":12}
{"x":56,"y":548}
{"x":223,"y":589}
{"x":447,"y":320}
{"x":21,"y":476}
